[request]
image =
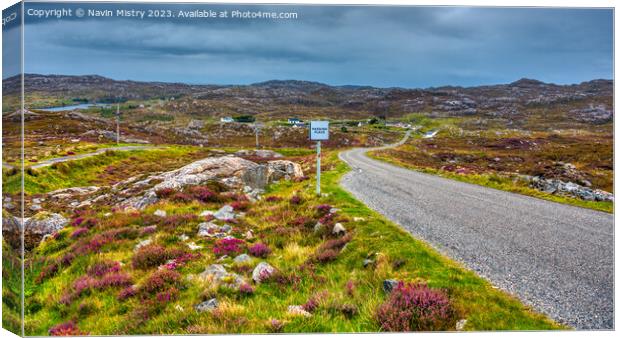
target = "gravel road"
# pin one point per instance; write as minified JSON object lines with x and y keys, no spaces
{"x":555,"y":257}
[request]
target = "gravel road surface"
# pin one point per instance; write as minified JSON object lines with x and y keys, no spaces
{"x":555,"y":257}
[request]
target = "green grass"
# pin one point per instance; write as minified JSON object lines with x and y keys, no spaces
{"x":499,"y":182}
{"x":87,"y":171}
{"x":485,"y":307}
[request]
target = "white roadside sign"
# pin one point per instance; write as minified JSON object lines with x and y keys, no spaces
{"x":319,"y":130}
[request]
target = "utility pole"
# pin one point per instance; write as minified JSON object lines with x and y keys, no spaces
{"x":257,"y":127}
{"x":118,"y":123}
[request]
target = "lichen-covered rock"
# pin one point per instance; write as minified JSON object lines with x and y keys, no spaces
{"x":282,"y":169}
{"x":216,"y":273}
{"x":262,"y":271}
{"x":208,"y":305}
{"x":232,"y":171}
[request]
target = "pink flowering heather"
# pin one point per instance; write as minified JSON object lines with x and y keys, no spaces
{"x":113,"y":280}
{"x":273,"y":199}
{"x":228,"y":246}
{"x":415,"y":307}
{"x":259,"y":250}
{"x":78,"y":221}
{"x":167,"y":296}
{"x":101,"y":268}
{"x":150,"y":256}
{"x":165,"y":192}
{"x":240,"y":205}
{"x":127,"y":292}
{"x":160,"y":280}
{"x":66,"y":329}
{"x":296,"y":199}
{"x":323,"y":209}
{"x":79,"y":232}
{"x":148,"y":230}
{"x":204,"y":194}
{"x":246,"y":289}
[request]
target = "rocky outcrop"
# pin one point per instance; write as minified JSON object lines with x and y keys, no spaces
{"x":110,"y":135}
{"x":232,"y":171}
{"x":260,"y":153}
{"x":558,"y":187}
{"x":35,"y":228}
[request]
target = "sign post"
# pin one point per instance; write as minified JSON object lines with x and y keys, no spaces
{"x":319,"y":131}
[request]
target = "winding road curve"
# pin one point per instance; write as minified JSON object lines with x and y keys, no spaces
{"x":557,"y":258}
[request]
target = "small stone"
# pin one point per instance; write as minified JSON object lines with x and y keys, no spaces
{"x":262,"y":271}
{"x":318,"y":226}
{"x":298,"y":310}
{"x":243,"y":258}
{"x":206,"y":213}
{"x":339,"y":229}
{"x":389,"y":285}
{"x":143,"y":243}
{"x":358,"y":219}
{"x":225,"y":213}
{"x":249,"y":235}
{"x":160,"y":213}
{"x":208,"y":305}
{"x":193,"y":246}
{"x":107,"y":214}
{"x":460,"y":325}
{"x":368,"y":262}
{"x":184,"y":237}
{"x":35,"y":207}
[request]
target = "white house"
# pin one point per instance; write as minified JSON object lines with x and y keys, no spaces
{"x":227,"y":119}
{"x":294,"y":120}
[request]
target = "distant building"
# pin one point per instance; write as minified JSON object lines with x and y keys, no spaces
{"x":294,"y":120}
{"x":227,"y":119}
{"x":299,"y":124}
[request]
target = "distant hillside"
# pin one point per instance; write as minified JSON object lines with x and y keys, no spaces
{"x":290,"y":96}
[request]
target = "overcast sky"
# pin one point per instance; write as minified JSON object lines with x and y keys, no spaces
{"x":378,"y":46}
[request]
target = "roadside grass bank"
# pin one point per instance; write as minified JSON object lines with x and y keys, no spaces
{"x":112,"y":287}
{"x":495,"y":181}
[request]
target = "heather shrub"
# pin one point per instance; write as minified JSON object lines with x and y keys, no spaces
{"x":101,"y":268}
{"x":273,"y":199}
{"x":296,"y":200}
{"x":160,"y":280}
{"x":415,"y":307}
{"x":182,"y":197}
{"x":204,"y":194}
{"x":79,"y":232}
{"x":66,"y":329}
{"x":127,"y":292}
{"x":228,"y":246}
{"x":323,"y":209}
{"x":325,"y":256}
{"x":259,"y":250}
{"x":148,"y":230}
{"x":150,"y":256}
{"x":329,"y":250}
{"x":350,"y":288}
{"x":246,"y":289}
{"x":240,"y":205}
{"x":275,"y":326}
{"x":167,"y":296}
{"x":114,"y":280}
{"x":165,"y":192}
